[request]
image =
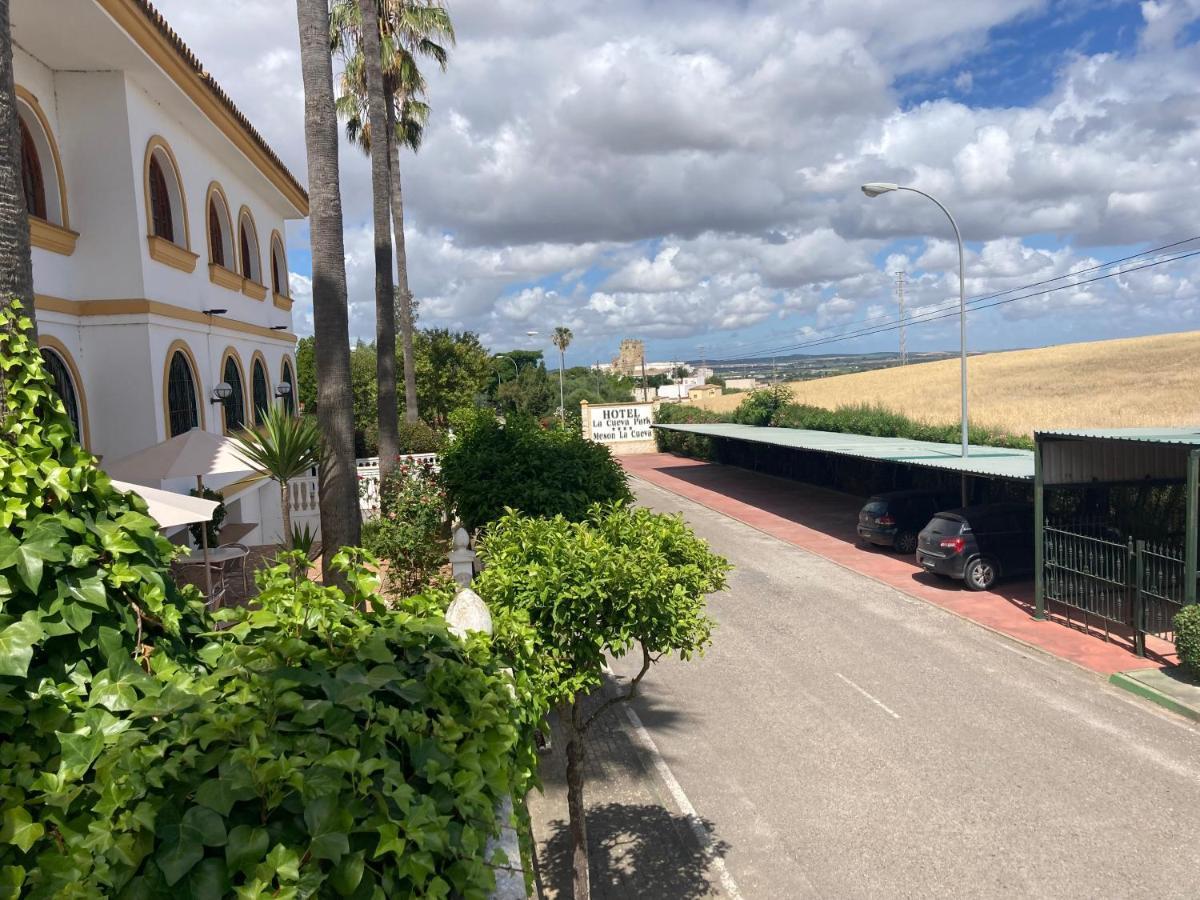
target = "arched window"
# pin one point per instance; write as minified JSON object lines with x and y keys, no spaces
{"x":183,"y":408}
{"x":216,"y":234}
{"x":220,"y":229}
{"x":279,"y":269}
{"x":248,"y":244}
{"x":289,"y":399}
{"x":166,"y":207}
{"x":160,"y":203}
{"x":31,"y":175}
{"x":235,"y":406}
{"x":259,"y":390}
{"x":64,"y":386}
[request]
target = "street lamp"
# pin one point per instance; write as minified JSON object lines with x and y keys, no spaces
{"x":874,"y":189}
{"x":516,"y":369}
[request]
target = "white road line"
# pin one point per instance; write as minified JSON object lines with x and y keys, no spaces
{"x":875,"y":700}
{"x":642,"y":736}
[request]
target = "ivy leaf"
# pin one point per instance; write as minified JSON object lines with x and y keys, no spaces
{"x":390,"y":841}
{"x":16,"y":645}
{"x":246,"y":848}
{"x":209,"y":880}
{"x":204,"y":825}
{"x":325,"y":821}
{"x":116,"y":695}
{"x":176,"y":859}
{"x":89,"y":590}
{"x":41,"y":543}
{"x":347,"y":874}
{"x":11,"y":879}
{"x":20,"y":829}
{"x":79,"y":751}
{"x":217,"y":795}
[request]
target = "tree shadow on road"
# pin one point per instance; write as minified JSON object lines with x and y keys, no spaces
{"x":635,"y":851}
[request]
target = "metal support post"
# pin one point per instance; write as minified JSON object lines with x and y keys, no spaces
{"x":1039,"y":534}
{"x":1190,"y":535}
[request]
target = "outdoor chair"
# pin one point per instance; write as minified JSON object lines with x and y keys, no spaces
{"x":239,"y":562}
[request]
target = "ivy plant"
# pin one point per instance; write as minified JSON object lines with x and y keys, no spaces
{"x":303,"y":748}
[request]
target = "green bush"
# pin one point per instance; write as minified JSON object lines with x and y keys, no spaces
{"x":878,"y":421}
{"x":491,"y":466}
{"x":306,"y":749}
{"x":693,"y":445}
{"x":420,"y":437}
{"x":1187,"y":638}
{"x":760,"y":406}
{"x":410,"y":534}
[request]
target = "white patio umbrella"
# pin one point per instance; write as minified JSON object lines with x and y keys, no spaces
{"x":195,"y":453}
{"x":169,"y":509}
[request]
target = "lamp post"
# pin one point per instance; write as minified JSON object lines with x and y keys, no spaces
{"x":874,"y":189}
{"x":516,"y":369}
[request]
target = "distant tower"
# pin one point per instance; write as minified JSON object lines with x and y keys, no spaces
{"x":900,"y":276}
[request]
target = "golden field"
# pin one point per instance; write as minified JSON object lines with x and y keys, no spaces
{"x":1104,"y":384}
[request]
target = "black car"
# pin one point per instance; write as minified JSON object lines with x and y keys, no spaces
{"x":894,"y":519}
{"x":979,"y":544}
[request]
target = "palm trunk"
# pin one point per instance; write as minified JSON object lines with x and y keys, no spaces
{"x":562,"y":365}
{"x":285,"y":504}
{"x":16,"y":263}
{"x":385,"y":303}
{"x":411,"y":413}
{"x":341,"y":521}
{"x":570,"y":716}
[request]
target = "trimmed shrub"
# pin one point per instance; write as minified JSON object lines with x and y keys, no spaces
{"x":878,"y":421}
{"x":492,"y":466}
{"x":420,"y":437}
{"x":1187,"y":638}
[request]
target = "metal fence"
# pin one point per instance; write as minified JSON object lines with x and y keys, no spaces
{"x":1135,"y":584}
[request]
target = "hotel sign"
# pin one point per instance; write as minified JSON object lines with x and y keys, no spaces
{"x":611,"y":424}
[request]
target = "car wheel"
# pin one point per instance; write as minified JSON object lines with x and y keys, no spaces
{"x":980,"y":574}
{"x":905,"y":543}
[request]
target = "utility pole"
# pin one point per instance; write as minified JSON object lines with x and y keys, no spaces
{"x":645,"y":387}
{"x":900,"y":276}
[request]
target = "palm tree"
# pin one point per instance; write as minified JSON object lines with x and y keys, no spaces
{"x":341,"y":521}
{"x":408,"y":29}
{"x":16,"y":262}
{"x":562,"y":340}
{"x":282,"y":447}
{"x":368,"y":50}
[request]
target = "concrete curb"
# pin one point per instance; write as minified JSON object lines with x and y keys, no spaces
{"x":1123,"y":681}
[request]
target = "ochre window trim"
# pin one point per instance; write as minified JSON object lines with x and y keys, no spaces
{"x":231,"y":353}
{"x":177,"y":252}
{"x":57,"y":237}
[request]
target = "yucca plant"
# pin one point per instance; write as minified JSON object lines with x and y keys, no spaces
{"x":282,"y":447}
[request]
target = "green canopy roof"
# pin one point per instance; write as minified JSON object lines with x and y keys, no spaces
{"x":992,"y":462}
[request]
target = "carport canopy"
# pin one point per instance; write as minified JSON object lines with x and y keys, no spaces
{"x":988,"y":462}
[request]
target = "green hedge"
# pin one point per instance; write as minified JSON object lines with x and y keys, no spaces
{"x":878,"y":421}
{"x":1187,"y":638}
{"x":694,"y":445}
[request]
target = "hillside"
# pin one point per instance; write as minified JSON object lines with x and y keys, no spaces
{"x":1120,"y":383}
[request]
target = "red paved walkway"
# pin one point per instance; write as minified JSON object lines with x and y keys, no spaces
{"x":823,"y":522}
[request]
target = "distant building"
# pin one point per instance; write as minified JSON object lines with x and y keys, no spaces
{"x":704,"y":392}
{"x":741,"y":384}
{"x":630,"y":358}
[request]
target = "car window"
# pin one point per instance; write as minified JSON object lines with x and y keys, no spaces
{"x":875,"y":507}
{"x":940,"y":525}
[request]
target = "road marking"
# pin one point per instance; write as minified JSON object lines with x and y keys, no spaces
{"x":642,"y":736}
{"x":875,"y":700}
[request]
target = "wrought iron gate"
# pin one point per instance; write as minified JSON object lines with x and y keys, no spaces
{"x":1134,"y":584}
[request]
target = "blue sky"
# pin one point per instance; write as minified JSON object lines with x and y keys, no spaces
{"x":687,"y":172}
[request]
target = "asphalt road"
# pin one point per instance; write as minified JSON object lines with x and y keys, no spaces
{"x":845,"y":740}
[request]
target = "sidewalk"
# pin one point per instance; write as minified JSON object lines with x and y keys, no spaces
{"x":639,"y":844}
{"x":823,"y":522}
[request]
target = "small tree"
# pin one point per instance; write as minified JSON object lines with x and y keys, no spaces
{"x":562,"y":340}
{"x":621,"y":580}
{"x":282,"y":448}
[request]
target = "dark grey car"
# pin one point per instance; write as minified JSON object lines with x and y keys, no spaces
{"x":894,"y":519}
{"x":979,"y":544}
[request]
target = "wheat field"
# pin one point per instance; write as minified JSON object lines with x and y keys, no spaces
{"x":1129,"y":382}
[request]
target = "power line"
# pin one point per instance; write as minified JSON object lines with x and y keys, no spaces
{"x":935,"y":315}
{"x":887,"y":320}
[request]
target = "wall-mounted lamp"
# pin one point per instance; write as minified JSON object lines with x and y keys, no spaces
{"x":221,"y":392}
{"x":214,"y":312}
{"x":279,"y":328}
{"x":282,"y":389}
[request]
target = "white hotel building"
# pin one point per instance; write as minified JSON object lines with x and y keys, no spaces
{"x":157,"y":217}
